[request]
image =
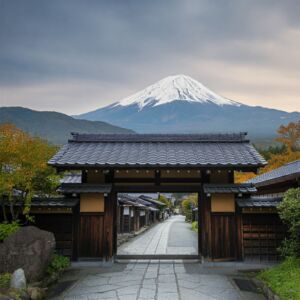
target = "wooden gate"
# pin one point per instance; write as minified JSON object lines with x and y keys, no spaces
{"x":223,"y":236}
{"x":90,"y":243}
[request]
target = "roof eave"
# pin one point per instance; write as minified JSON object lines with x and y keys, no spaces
{"x":63,"y":167}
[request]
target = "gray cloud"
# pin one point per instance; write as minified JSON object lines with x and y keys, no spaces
{"x":74,"y":56}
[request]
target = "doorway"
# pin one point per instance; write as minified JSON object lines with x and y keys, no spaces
{"x":157,"y":225}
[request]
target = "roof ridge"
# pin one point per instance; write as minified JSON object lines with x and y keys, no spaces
{"x":194,"y":137}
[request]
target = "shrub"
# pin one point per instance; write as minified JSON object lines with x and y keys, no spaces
{"x":58,"y":264}
{"x":289,"y":212}
{"x":6,"y":229}
{"x":5,"y":280}
{"x":195,"y":226}
{"x":284,"y":279}
{"x":187,"y":206}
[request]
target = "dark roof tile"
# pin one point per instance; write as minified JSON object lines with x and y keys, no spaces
{"x":287,"y":171}
{"x":259,"y":202}
{"x":164,"y":150}
{"x":70,"y":188}
{"x":243,"y":188}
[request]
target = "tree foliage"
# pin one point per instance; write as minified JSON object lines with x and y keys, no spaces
{"x":277,"y":156}
{"x":188,"y":204}
{"x":289,"y":135}
{"x":6,"y":229}
{"x":289,"y":212}
{"x":166,"y":201}
{"x":23,"y":168}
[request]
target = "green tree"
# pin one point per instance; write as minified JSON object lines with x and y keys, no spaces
{"x":289,"y":212}
{"x":23,"y":168}
{"x":188,"y":204}
{"x":166,"y":201}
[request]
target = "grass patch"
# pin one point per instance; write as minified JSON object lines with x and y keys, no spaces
{"x":195,"y":226}
{"x":5,"y":280}
{"x":6,"y":229}
{"x":284,"y":279}
{"x":58,"y":264}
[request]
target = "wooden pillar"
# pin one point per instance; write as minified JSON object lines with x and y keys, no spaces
{"x":110,"y":227}
{"x":204,"y":219}
{"x":157,"y":177}
{"x":239,"y":236}
{"x":75,"y":232}
{"x":110,"y":224}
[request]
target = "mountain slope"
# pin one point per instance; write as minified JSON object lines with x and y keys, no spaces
{"x":179,"y":87}
{"x":183,"y":105}
{"x":53,"y":126}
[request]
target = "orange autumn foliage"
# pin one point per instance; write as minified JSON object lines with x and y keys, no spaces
{"x":289,"y":136}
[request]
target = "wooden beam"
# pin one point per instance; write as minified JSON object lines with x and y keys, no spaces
{"x":204,"y":217}
{"x":158,"y":256}
{"x":157,"y":177}
{"x":242,"y":168}
{"x":75,"y":232}
{"x":157,"y":180}
{"x":157,"y":188}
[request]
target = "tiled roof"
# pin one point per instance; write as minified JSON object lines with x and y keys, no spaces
{"x":125,"y":201}
{"x":286,"y":172}
{"x":229,"y":137}
{"x":71,"y":178}
{"x":149,"y":199}
{"x":51,"y":202}
{"x":128,"y":199}
{"x":244,"y":188}
{"x":142,"y":150}
{"x":259,"y":202}
{"x":138,"y":201}
{"x":70,"y":188}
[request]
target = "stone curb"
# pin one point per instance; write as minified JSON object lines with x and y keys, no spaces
{"x":270,"y":295}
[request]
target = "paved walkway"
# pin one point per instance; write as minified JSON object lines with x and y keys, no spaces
{"x":154,"y":280}
{"x":173,"y":236}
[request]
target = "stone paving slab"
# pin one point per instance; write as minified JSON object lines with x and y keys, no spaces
{"x":173,"y":236}
{"x":155,"y":281}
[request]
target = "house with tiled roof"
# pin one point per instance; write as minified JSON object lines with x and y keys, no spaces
{"x":262,"y":228}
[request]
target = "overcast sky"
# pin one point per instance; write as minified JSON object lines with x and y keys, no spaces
{"x":75,"y":56}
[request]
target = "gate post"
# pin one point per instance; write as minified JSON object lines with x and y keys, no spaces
{"x":204,"y":224}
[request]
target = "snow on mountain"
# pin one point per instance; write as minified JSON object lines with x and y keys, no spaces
{"x":180,"y":104}
{"x":174,"y":88}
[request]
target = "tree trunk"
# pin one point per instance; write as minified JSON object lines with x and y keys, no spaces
{"x":3,"y":210}
{"x":12,"y":212}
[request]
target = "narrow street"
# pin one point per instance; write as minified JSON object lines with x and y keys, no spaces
{"x":173,"y":236}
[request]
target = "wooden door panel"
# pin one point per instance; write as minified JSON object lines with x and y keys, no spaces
{"x":91,"y":235}
{"x":223,"y":230}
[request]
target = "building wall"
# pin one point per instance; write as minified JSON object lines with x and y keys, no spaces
{"x":93,"y":202}
{"x":262,"y":235}
{"x":223,"y":203}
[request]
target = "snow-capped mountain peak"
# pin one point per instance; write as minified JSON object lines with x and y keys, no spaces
{"x":175,"y":88}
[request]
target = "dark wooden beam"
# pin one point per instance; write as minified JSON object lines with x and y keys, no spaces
{"x":157,"y":180}
{"x":109,"y":234}
{"x":239,"y":235}
{"x":158,"y":256}
{"x":204,"y":219}
{"x":62,"y":168}
{"x":157,"y":177}
{"x":157,"y":188}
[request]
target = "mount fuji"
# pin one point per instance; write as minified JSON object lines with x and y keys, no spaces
{"x":181,"y":104}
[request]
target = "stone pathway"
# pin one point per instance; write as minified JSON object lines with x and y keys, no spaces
{"x":173,"y":236}
{"x":156,"y":280}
